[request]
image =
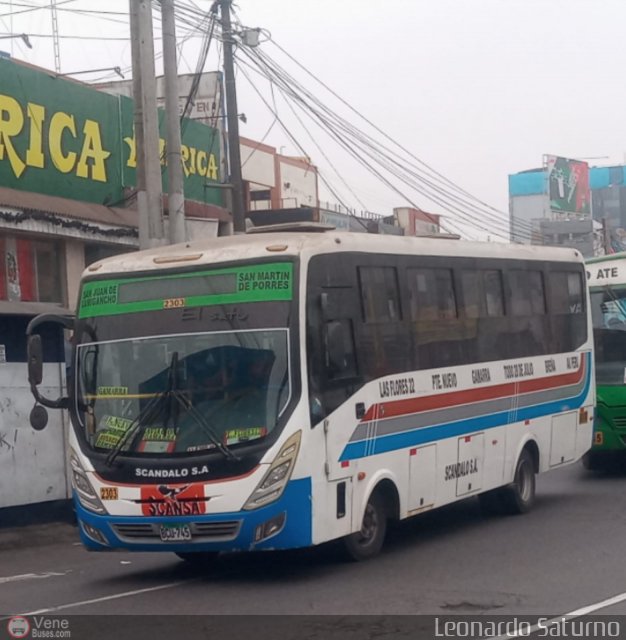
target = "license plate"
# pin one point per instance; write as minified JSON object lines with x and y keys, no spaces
{"x":175,"y":532}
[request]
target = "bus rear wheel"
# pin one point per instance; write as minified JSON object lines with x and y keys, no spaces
{"x":368,"y":541}
{"x":517,"y":497}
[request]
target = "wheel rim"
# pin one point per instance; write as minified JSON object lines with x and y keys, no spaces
{"x":524,"y":481}
{"x":369,"y":526}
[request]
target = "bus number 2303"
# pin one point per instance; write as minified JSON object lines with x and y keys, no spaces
{"x":173,"y":303}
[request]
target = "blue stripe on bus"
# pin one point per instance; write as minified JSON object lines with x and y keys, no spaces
{"x":297,"y":532}
{"x":424,"y":435}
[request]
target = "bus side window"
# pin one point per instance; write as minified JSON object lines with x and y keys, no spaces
{"x":339,"y":356}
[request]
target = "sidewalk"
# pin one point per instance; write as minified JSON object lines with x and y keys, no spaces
{"x":39,"y":524}
{"x":38,"y":535}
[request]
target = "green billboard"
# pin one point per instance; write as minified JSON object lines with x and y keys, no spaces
{"x":62,"y":138}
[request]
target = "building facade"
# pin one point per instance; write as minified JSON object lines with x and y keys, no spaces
{"x":67,"y":178}
{"x":594,"y":225}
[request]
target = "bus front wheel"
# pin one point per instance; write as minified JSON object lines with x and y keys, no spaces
{"x":368,"y":541}
{"x":198,"y":558}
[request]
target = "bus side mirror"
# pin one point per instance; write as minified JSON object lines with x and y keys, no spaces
{"x":38,"y":417}
{"x":34,"y":356}
{"x":34,"y":351}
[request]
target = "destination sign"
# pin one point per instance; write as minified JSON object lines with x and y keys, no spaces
{"x":234,"y":285}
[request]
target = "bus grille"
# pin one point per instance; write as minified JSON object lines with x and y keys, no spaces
{"x":200,"y":531}
{"x":620,"y":422}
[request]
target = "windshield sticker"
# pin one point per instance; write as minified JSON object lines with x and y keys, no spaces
{"x":156,"y":446}
{"x":111,"y":431}
{"x":112,"y":391}
{"x":200,"y":447}
{"x":235,"y":436}
{"x":158,"y":440}
{"x":160,"y":434}
{"x":234,"y":285}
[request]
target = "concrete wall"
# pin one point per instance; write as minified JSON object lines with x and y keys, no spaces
{"x":523,"y":211}
{"x":33,"y":464}
{"x":257,"y":164}
{"x":298,"y":184}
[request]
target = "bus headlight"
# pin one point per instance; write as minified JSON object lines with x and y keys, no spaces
{"x":275,"y":480}
{"x":85,"y":492}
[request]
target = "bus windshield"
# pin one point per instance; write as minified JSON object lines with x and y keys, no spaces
{"x":181,"y":394}
{"x":608,"y":306}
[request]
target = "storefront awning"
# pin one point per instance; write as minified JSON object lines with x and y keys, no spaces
{"x":10,"y":308}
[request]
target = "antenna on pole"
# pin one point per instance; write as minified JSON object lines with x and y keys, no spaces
{"x":55,"y":36}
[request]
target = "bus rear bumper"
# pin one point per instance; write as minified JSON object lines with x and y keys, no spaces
{"x":284,"y":524}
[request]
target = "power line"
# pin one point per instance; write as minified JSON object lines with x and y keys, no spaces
{"x":398,"y":172}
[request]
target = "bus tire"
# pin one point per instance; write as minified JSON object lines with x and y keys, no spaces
{"x":492,"y":503}
{"x":198,"y":558}
{"x":594,"y":461}
{"x":519,"y":496}
{"x":368,"y":541}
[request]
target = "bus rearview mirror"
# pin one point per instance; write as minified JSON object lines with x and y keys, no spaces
{"x":38,"y":417}
{"x":35,"y":359}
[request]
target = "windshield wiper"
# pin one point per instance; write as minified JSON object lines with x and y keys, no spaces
{"x":159,"y":404}
{"x":151,"y":411}
{"x":204,"y":425}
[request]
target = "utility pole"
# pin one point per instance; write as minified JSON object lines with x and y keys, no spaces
{"x":606,"y":236}
{"x":176,"y":194}
{"x":149,"y":204}
{"x":232,"y":119}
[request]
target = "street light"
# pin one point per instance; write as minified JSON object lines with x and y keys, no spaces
{"x":23,"y":36}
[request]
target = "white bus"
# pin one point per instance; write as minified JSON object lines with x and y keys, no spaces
{"x":280,"y":390}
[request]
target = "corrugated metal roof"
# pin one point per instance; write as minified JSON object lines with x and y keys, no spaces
{"x":8,"y":307}
{"x":91,"y":212}
{"x":29,"y":201}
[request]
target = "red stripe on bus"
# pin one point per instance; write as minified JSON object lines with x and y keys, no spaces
{"x":406,"y":406}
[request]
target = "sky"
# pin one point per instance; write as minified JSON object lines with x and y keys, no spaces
{"x":477,"y":89}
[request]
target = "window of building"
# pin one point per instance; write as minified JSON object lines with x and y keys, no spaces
{"x":32,"y":270}
{"x":48,"y":271}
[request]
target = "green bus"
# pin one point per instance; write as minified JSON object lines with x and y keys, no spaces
{"x":606,"y":276}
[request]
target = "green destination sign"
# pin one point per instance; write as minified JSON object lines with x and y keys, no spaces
{"x":255,"y":283}
{"x":62,"y":138}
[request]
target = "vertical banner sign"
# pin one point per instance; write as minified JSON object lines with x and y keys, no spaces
{"x":13,"y":276}
{"x":568,"y":185}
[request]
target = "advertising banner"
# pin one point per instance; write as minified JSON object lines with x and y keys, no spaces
{"x":63,"y":138}
{"x":568,"y":185}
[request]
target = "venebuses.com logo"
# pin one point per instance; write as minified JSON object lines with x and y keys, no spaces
{"x":38,"y":627}
{"x":18,"y":627}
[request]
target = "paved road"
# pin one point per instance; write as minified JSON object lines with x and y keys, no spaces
{"x":564,"y":555}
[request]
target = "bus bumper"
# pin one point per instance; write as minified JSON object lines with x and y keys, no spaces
{"x":606,"y":436}
{"x":284,"y":524}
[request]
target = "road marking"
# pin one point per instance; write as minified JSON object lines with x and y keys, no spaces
{"x":115,"y":596}
{"x":31,"y":576}
{"x":572,"y":615}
